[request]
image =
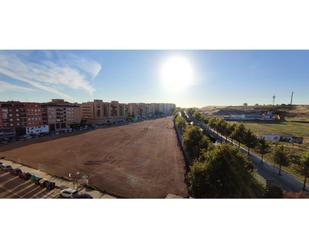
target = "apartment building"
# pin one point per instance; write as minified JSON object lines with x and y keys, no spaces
{"x":23,"y":117}
{"x":60,"y":115}
{"x":132,"y":109}
{"x":140,"y":110}
{"x":99,"y":112}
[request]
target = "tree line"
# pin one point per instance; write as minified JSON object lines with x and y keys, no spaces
{"x":242,"y":135}
{"x":217,"y":171}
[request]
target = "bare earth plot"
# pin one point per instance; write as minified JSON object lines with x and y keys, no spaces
{"x":136,"y":160}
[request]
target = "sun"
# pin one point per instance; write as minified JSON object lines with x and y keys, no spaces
{"x":177,"y":73}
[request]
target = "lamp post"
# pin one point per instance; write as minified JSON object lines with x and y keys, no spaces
{"x":77,"y":173}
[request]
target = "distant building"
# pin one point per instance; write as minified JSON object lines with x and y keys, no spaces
{"x":20,"y":118}
{"x":271,"y":137}
{"x":132,"y":110}
{"x":87,"y":111}
{"x":282,"y":138}
{"x":268,"y":116}
{"x":60,"y":115}
{"x":99,"y":112}
{"x":292,"y":139}
{"x":20,"y":115}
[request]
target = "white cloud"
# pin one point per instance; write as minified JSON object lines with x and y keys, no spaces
{"x":5,"y":86}
{"x":51,"y":76}
{"x":91,"y":67}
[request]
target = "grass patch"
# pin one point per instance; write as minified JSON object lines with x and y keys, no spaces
{"x":284,"y":128}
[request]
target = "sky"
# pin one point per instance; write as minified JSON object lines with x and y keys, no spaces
{"x":217,"y":77}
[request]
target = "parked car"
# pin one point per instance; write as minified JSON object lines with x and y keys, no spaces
{"x":68,"y":193}
{"x":50,"y":185}
{"x":42,"y":182}
{"x":35,"y":179}
{"x":6,"y":167}
{"x":16,"y":171}
{"x":25,"y":176}
{"x":83,"y":196}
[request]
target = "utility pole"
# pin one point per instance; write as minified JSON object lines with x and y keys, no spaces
{"x":274,"y":98}
{"x":292,"y":95}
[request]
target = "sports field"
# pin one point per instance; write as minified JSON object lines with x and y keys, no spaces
{"x":137,"y":160}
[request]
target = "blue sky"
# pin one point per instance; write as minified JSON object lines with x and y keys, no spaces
{"x":220,"y":77}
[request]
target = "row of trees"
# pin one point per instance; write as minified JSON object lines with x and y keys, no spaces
{"x":239,"y":133}
{"x":217,"y":171}
{"x":223,"y":172}
{"x":245,"y":136}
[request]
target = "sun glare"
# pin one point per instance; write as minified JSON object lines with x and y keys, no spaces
{"x":177,"y":73}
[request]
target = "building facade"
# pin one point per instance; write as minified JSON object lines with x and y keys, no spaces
{"x":99,"y":112}
{"x":60,"y":115}
{"x":20,"y":116}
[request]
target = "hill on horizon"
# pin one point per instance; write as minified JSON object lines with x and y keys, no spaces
{"x":290,"y":112}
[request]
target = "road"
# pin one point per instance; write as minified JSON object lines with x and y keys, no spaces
{"x":266,"y":170}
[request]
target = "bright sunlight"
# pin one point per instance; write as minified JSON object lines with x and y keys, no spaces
{"x":176,"y":74}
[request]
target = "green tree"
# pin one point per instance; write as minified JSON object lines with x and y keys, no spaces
{"x":180,"y":122}
{"x":232,"y":127}
{"x":239,"y":133}
{"x":250,"y":140}
{"x":281,"y":157}
{"x":191,"y":111}
{"x":228,"y":130}
{"x":197,"y":115}
{"x":223,"y":174}
{"x":304,"y":167}
{"x":205,"y":119}
{"x":195,"y":141}
{"x":221,"y":127}
{"x":213,"y":122}
{"x":263,"y":147}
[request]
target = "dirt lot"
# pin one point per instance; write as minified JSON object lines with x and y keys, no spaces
{"x":136,"y":160}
